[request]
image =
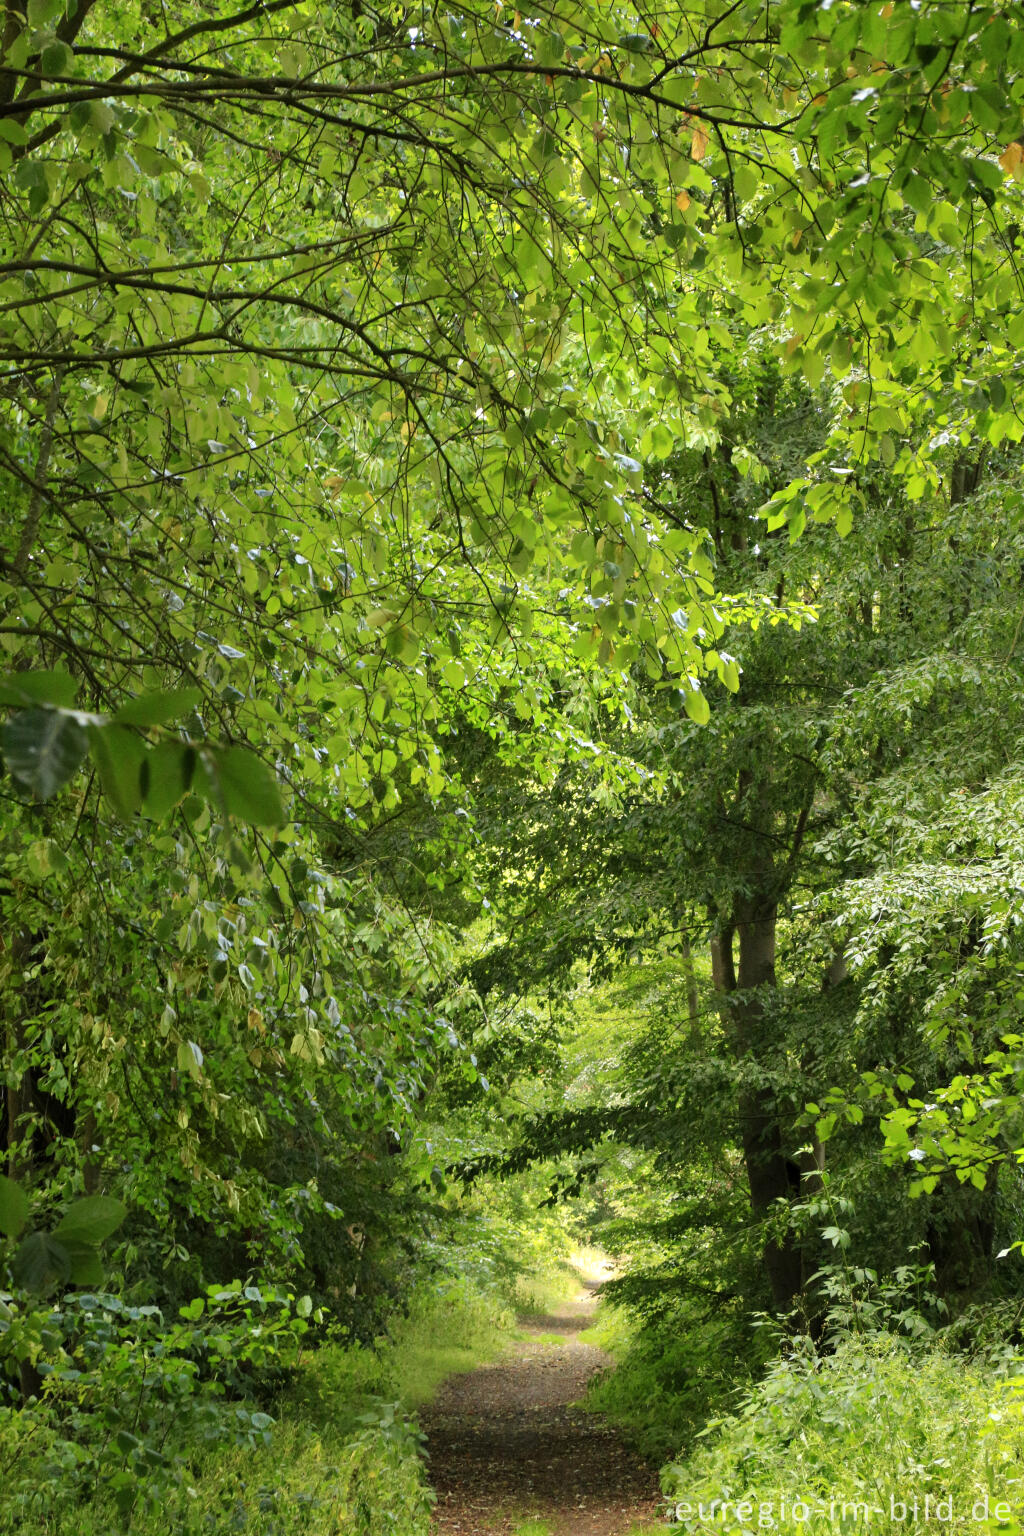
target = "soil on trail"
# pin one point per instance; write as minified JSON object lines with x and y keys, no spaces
{"x":506,"y":1443}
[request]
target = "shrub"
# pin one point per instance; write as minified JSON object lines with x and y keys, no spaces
{"x":674,"y":1372}
{"x":881,"y":1422}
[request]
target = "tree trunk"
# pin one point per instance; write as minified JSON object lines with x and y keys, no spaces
{"x":692,"y":996}
{"x":771,"y":1175}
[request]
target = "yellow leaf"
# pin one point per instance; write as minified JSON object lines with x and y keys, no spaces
{"x":682,"y":200}
{"x":1011,"y":160}
{"x":699,"y":147}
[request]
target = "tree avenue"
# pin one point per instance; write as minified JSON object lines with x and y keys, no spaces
{"x":401,"y":536}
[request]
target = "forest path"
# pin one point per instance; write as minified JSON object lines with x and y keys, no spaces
{"x":506,"y":1443}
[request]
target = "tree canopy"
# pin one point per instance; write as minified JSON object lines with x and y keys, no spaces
{"x":494,"y":497}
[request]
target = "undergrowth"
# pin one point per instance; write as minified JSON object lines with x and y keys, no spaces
{"x":673,"y":1373}
{"x":338,"y":1455}
{"x":859,"y":1436}
{"x":452,"y":1328}
{"x":336,"y":1461}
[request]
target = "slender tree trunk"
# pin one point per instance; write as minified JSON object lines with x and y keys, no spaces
{"x":19,"y":1097}
{"x":692,"y":996}
{"x":961,"y":1234}
{"x":812,"y":1161}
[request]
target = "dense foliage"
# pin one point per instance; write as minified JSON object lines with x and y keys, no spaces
{"x":511,"y":635}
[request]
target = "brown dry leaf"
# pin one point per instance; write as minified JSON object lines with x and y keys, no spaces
{"x":682,"y":200}
{"x":699,"y":146}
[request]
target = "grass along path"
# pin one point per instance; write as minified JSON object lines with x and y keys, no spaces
{"x":510,"y":1453}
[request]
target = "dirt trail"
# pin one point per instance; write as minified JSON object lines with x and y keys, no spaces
{"x":505,"y":1443}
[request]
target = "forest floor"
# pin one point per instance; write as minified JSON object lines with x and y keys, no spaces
{"x":510,"y":1451}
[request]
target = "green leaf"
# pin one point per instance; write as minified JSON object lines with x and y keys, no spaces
{"x":190,"y":1055}
{"x":42,"y":12}
{"x":56,"y":59}
{"x":14,"y":1207}
{"x":91,"y":1219}
{"x":47,"y":857}
{"x":101,"y":116}
{"x":86,"y":1264}
{"x":165,"y":776}
{"x":42,"y":749}
{"x":245,"y":786}
{"x":40,"y":1263}
{"x":157,"y":708}
{"x":118,"y":755}
{"x":814,"y":367}
{"x":696,"y":706}
{"x":56,"y":688}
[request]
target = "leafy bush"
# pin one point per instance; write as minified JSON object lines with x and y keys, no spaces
{"x":310,"y":1480}
{"x":673,"y":1373}
{"x":148,"y":1424}
{"x":880,"y":1422}
{"x":122,"y":1390}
